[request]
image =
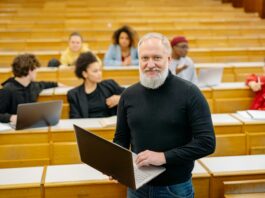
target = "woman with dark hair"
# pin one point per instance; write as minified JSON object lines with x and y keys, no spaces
{"x":94,"y":98}
{"x":123,"y":51}
{"x":22,"y":88}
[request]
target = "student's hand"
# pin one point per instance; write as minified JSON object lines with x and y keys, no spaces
{"x":113,"y":100}
{"x":255,"y":86}
{"x":180,"y":68}
{"x":127,"y":61}
{"x":13,"y":119}
{"x":147,"y":158}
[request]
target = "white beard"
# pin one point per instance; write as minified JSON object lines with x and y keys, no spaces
{"x":153,"y":82}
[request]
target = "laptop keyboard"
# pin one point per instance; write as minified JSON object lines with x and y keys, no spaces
{"x":142,"y":174}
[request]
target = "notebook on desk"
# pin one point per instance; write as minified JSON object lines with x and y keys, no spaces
{"x":113,"y":160}
{"x":38,"y":114}
{"x":256,"y":114}
{"x":210,"y":76}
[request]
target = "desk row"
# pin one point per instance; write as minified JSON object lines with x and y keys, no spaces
{"x":79,"y":180}
{"x":235,"y":135}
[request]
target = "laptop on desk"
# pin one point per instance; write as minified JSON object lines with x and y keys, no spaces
{"x":38,"y":114}
{"x":210,"y":77}
{"x":113,"y":160}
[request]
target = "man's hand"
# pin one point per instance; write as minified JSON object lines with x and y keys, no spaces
{"x":147,"y":158}
{"x":113,"y":101}
{"x":255,"y":86}
{"x":180,"y":68}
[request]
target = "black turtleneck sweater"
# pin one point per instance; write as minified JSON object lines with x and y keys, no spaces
{"x":174,"y":119}
{"x":14,"y":93}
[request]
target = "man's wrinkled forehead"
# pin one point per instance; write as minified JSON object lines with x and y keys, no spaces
{"x":152,"y":44}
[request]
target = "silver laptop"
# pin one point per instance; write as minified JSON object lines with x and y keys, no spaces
{"x":210,"y":77}
{"x":38,"y":114}
{"x":113,"y":160}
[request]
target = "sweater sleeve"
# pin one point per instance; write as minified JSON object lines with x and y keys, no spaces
{"x":122,"y":134}
{"x":114,"y":87}
{"x":47,"y":85}
{"x":5,"y":99}
{"x":110,"y":58}
{"x":203,"y":139}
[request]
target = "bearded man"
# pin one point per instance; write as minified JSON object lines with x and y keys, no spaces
{"x":165,"y":120}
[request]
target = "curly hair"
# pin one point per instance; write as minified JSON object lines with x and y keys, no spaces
{"x":129,"y":31}
{"x":24,"y":63}
{"x":83,"y":62}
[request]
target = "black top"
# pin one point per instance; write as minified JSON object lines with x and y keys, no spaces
{"x":93,"y":105}
{"x":97,"y":104}
{"x":174,"y":119}
{"x":14,"y":93}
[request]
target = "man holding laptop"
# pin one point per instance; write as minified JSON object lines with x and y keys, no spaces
{"x":165,"y":120}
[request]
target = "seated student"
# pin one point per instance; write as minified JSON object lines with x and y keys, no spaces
{"x":21,"y":88}
{"x":75,"y":48}
{"x":257,"y":84}
{"x":94,"y":98}
{"x":123,"y":51}
{"x":181,"y":65}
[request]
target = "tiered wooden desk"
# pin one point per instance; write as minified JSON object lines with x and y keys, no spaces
{"x":231,"y":97}
{"x":79,"y":180}
{"x":21,"y":182}
{"x":255,"y":132}
{"x":230,"y":137}
{"x":24,"y":148}
{"x":232,"y":168}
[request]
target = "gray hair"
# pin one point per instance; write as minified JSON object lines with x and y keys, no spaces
{"x":164,"y":40}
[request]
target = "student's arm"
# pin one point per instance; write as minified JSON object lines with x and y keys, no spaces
{"x":116,"y":90}
{"x":74,"y":110}
{"x":110,"y":58}
{"x":134,"y":58}
{"x":5,"y":99}
{"x":47,"y":85}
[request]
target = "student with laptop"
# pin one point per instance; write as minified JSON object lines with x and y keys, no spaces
{"x":165,"y":120}
{"x":21,"y":88}
{"x":181,"y":65}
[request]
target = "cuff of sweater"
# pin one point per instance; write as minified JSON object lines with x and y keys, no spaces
{"x":5,"y":118}
{"x":169,"y":157}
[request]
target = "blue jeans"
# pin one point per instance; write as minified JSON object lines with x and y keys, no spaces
{"x":182,"y":190}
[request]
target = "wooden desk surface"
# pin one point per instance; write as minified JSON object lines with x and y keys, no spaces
{"x":230,"y":85}
{"x":15,"y":177}
{"x":67,"y":124}
{"x":224,"y":119}
{"x":59,"y":174}
{"x":235,"y":165}
{"x":199,"y":171}
{"x":80,"y":180}
{"x":246,"y":119}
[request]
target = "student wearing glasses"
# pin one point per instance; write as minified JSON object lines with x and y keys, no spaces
{"x":181,"y":65}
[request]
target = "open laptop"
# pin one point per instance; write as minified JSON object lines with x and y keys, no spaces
{"x":113,"y":160}
{"x":38,"y":114}
{"x":210,"y":76}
